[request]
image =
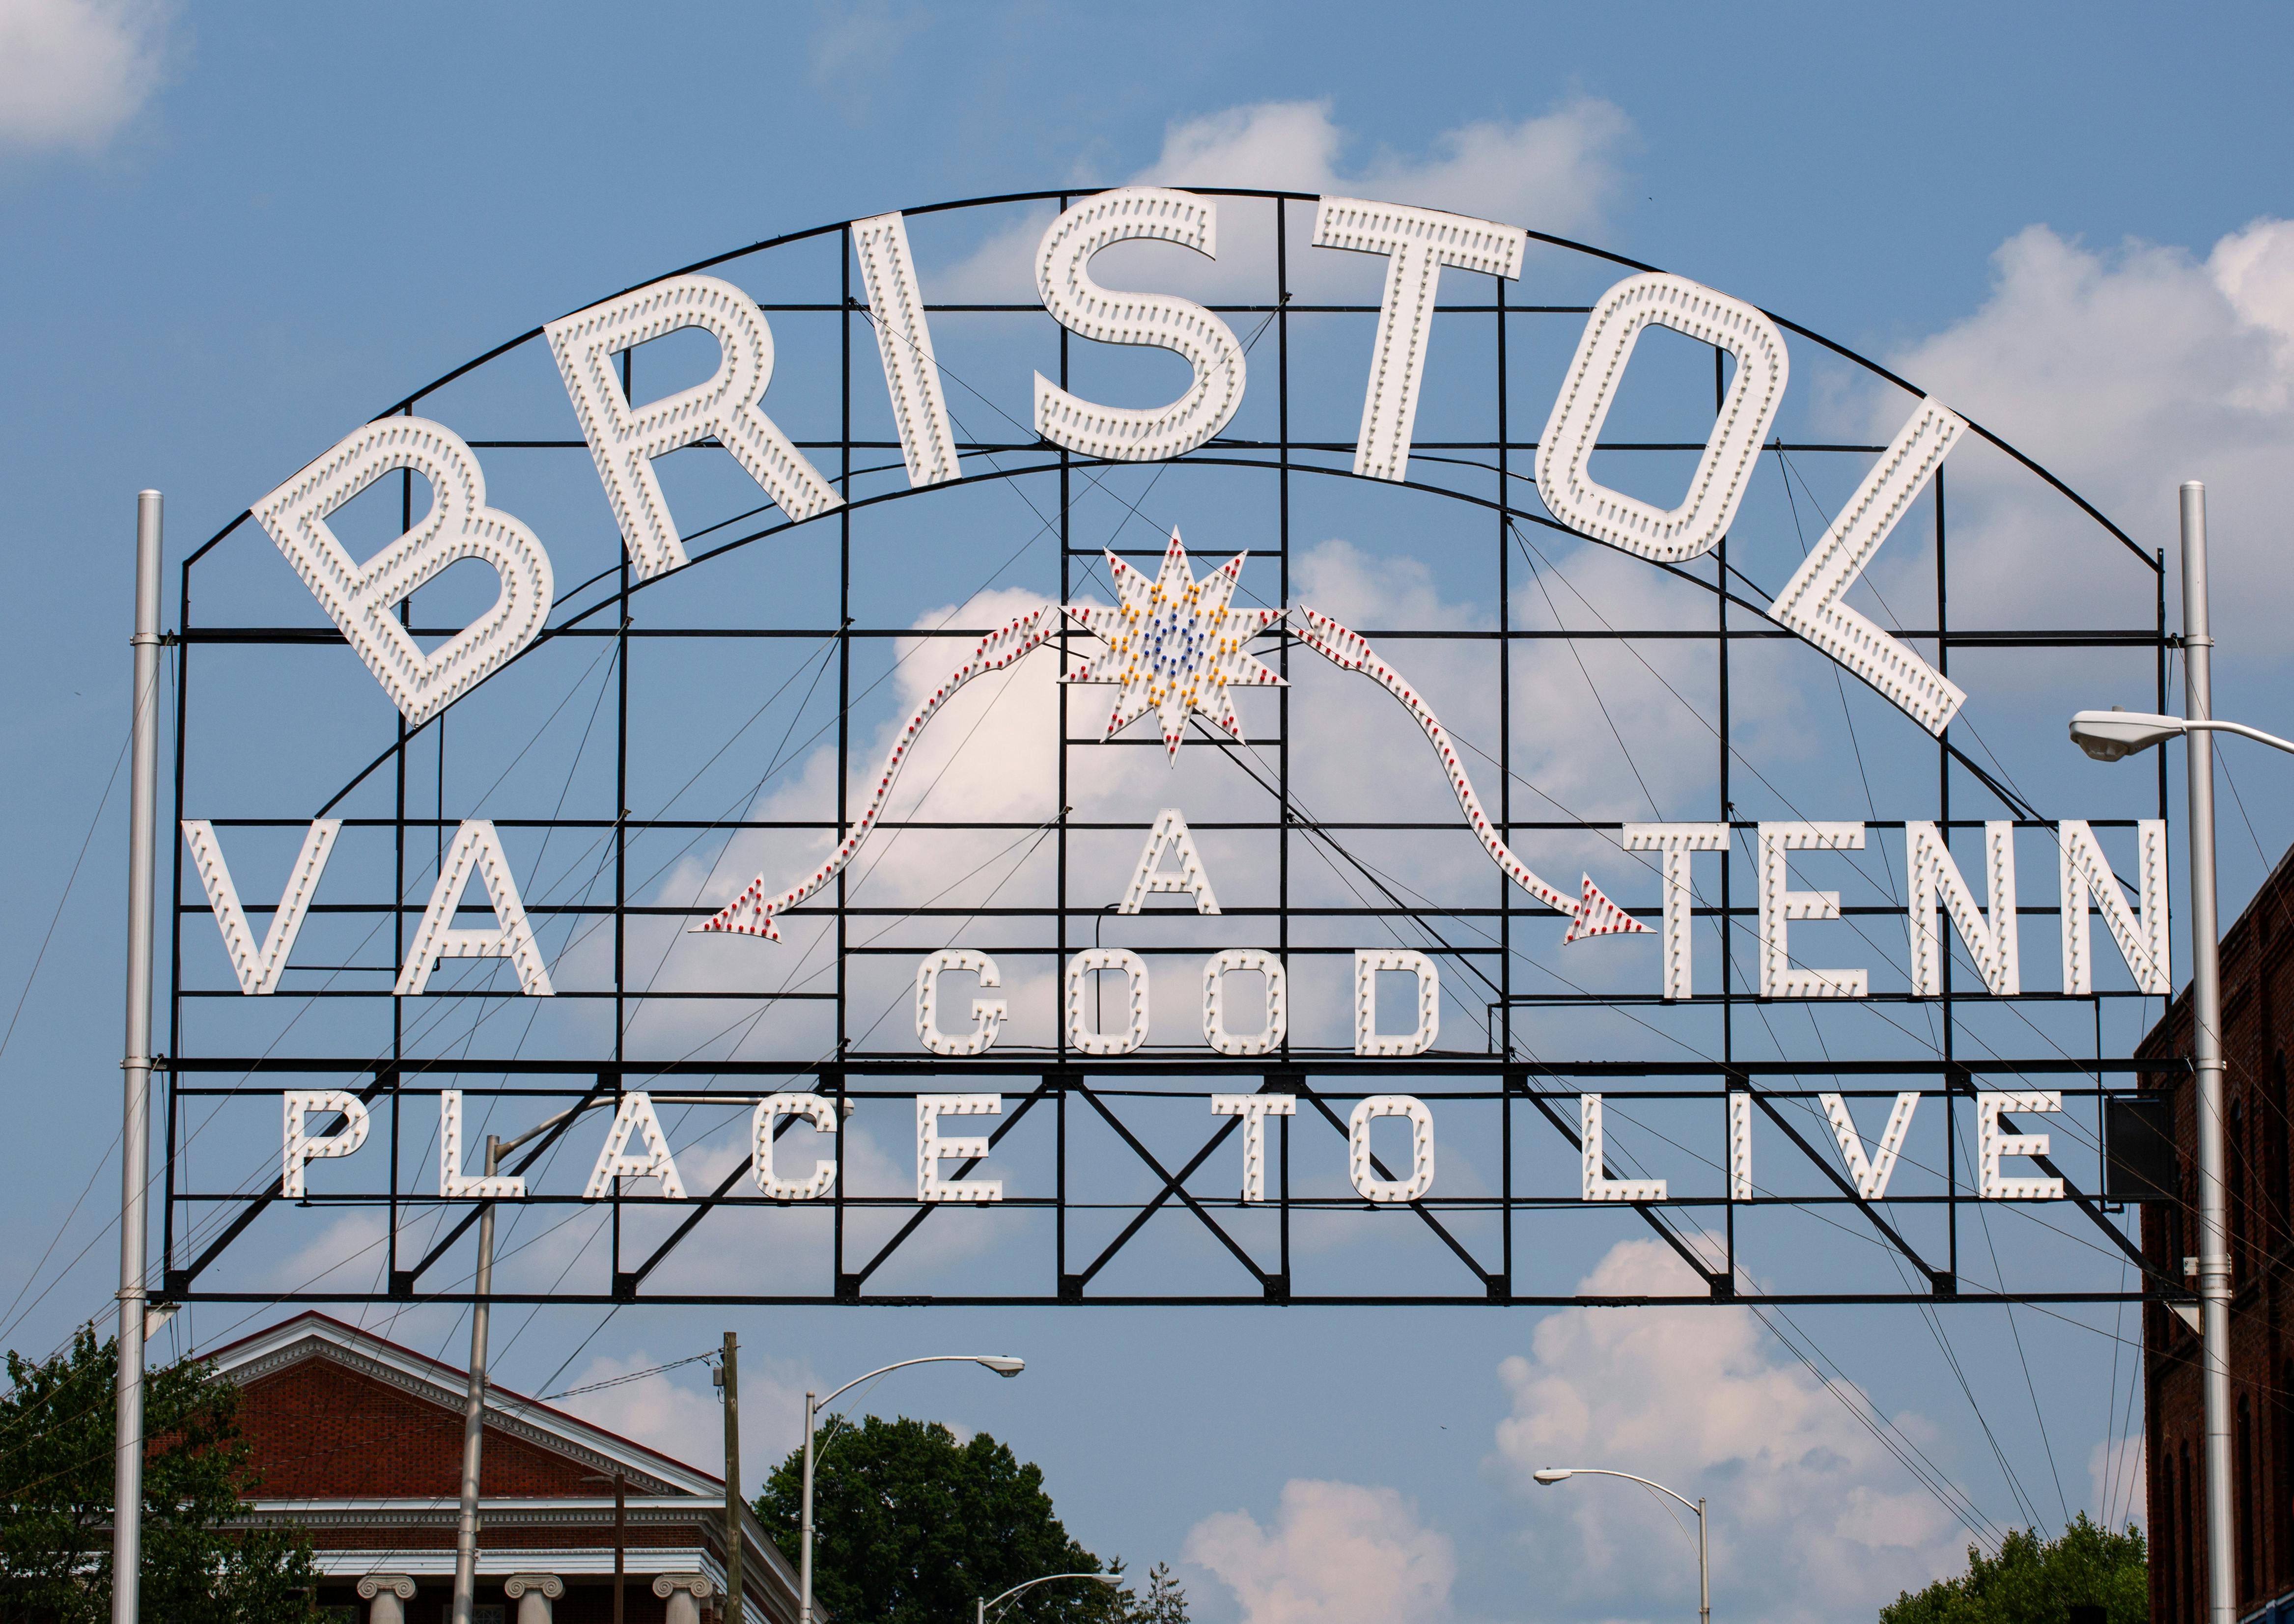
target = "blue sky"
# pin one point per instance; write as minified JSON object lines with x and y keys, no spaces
{"x":237,"y":233}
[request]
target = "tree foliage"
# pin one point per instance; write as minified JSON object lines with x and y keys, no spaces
{"x":1164,"y":1602}
{"x":56,"y":1462}
{"x":2038,"y":1582}
{"x":911,"y":1527}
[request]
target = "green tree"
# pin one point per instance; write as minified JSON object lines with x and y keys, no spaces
{"x":1165,"y":1601}
{"x":2038,"y":1582}
{"x":56,"y":1436}
{"x":911,"y":1527}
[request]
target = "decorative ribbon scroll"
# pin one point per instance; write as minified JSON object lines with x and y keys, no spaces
{"x":1591,"y":914}
{"x":751,"y":914}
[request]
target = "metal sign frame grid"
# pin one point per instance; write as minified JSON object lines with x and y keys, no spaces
{"x":1061,"y":1078}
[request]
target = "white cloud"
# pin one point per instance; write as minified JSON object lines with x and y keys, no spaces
{"x":1338,"y":1553}
{"x":852,"y":41}
{"x":72,"y":72}
{"x":2125,"y":373}
{"x":1813,"y":1518}
{"x":1553,"y":173}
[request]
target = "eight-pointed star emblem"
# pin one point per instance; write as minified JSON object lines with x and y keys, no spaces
{"x":1174,"y":645}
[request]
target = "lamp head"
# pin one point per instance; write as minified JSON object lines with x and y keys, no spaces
{"x":2117,"y":733}
{"x":1003,"y":1364}
{"x":1552,"y":1474}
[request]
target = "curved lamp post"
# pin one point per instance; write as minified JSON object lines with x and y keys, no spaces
{"x":2113,"y":735}
{"x":1554,"y":1474}
{"x":1105,"y":1578}
{"x":1003,"y":1364}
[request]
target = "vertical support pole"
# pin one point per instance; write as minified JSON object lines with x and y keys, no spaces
{"x":1282,"y":567}
{"x":135,"y":1067}
{"x":398,"y":877}
{"x":736,"y":1610}
{"x":474,"y":1411}
{"x":1067,"y":596}
{"x":621,"y":856}
{"x":1951,"y":1073}
{"x":804,"y":1553}
{"x":843,"y":630}
{"x":1056,"y":1085}
{"x":2207,"y":1061}
{"x":173,"y":1041}
{"x":621,"y":1542}
{"x":1704,"y":1569}
{"x":1505,"y":796}
{"x":1505,"y":708}
{"x":1728,"y":810}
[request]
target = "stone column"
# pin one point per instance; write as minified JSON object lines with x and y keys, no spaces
{"x":390,"y":1592}
{"x":533,"y":1593}
{"x":685,"y":1592}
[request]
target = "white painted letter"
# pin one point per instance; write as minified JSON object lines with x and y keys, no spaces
{"x":1082,"y":991}
{"x":987,"y":1013}
{"x":477,"y":847}
{"x":1170,"y":830}
{"x":1723,"y":474}
{"x":1597,"y":1185}
{"x":259,"y":968}
{"x":1367,"y":1184}
{"x":359,"y":597}
{"x":2142,"y":937}
{"x":1123,"y":433}
{"x":636,"y":1115}
{"x":454,"y":1185}
{"x":1368,"y":962}
{"x":1991,"y":1144}
{"x":1812,"y":605}
{"x":1417,"y":243}
{"x":1676,"y":841}
{"x":301,"y":1147}
{"x":1934,"y":876}
{"x":1740,"y":1145}
{"x":896,"y":304}
{"x":1215,"y":972}
{"x":1779,"y":976}
{"x":1253,"y":1110}
{"x":624,"y":440}
{"x":814,"y":1110}
{"x":931,"y":1150}
{"x":1870,"y":1177}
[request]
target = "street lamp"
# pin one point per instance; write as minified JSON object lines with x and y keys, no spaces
{"x":1553,"y":1475}
{"x":2117,"y":733}
{"x":2112,"y":735}
{"x":1003,"y":1364}
{"x":1105,"y":1578}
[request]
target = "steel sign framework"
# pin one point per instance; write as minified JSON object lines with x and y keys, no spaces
{"x":1112,"y":1148}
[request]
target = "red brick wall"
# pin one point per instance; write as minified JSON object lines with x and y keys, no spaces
{"x":322,"y":1430}
{"x":2257,"y":1002}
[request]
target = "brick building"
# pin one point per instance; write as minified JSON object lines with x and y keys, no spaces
{"x":359,"y":1441}
{"x":2257,"y":978}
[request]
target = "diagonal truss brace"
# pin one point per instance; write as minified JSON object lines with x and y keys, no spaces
{"x":1941,"y":1281}
{"x":1173,"y":1184}
{"x":1719,"y":1284}
{"x":1496,"y":1285}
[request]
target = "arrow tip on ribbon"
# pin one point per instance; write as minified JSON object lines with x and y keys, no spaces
{"x":1596,"y":916}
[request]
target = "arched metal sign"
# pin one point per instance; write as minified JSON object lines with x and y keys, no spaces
{"x":828,"y":745}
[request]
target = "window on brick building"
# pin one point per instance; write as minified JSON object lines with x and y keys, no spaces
{"x":2163,"y":1549}
{"x":2282,"y":1495}
{"x":2246,"y":1486}
{"x":2241,"y":1230}
{"x":2280,"y":1217}
{"x":2191,"y":1566}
